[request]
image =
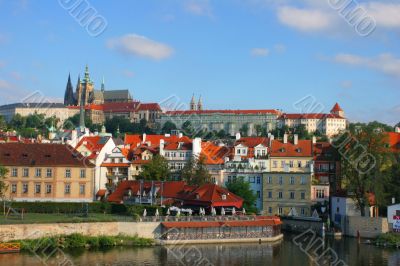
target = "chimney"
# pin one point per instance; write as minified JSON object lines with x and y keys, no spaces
{"x":238,"y":136}
{"x":271,"y":139}
{"x":144,"y":138}
{"x":285,"y":138}
{"x":161,"y":147}
{"x":196,"y":150}
{"x":180,"y":135}
{"x":296,"y":139}
{"x":314,"y":139}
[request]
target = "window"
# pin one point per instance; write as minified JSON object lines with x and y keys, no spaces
{"x":25,"y":188}
{"x":38,"y":172}
{"x":48,"y":188}
{"x":269,"y":180}
{"x":280,"y":195}
{"x":299,"y":164}
{"x":270,"y":210}
{"x":303,"y":180}
{"x":291,"y":163}
{"x":303,"y":195}
{"x":291,"y":194}
{"x":280,"y":180}
{"x":49,"y":172}
{"x":280,"y":211}
{"x":37,"y":188}
{"x":258,"y":180}
{"x":83,"y":173}
{"x":67,"y":189}
{"x":258,"y":194}
{"x":68,"y":173}
{"x":13,"y":188}
{"x":320,"y":193}
{"x":303,"y":211}
{"x":25,"y":172}
{"x":223,"y":197}
{"x":238,"y":151}
{"x":14,"y":172}
{"x":82,"y":189}
{"x":270,"y":194}
{"x":251,"y":179}
{"x":283,"y":164}
{"x":275,"y":164}
{"x":292,"y":180}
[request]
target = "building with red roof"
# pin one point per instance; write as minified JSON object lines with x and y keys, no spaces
{"x":326,"y":124}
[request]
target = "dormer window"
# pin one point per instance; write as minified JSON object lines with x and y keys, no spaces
{"x":197,"y":196}
{"x":223,"y":196}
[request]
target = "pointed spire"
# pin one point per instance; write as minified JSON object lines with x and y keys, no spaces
{"x":200,"y":104}
{"x":86,"y":79}
{"x":69,"y":93}
{"x":193,"y":103}
{"x":103,"y":86}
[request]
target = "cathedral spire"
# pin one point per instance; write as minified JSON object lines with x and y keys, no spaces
{"x":86,"y":79}
{"x":193,"y":106}
{"x":69,"y":93}
{"x":200,"y":104}
{"x":103,"y":86}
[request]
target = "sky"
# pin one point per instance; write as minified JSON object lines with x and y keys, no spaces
{"x":236,"y":54}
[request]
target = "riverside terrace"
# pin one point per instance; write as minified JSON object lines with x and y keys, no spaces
{"x":259,"y":228}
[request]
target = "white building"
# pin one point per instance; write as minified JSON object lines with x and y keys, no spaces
{"x":327,"y":124}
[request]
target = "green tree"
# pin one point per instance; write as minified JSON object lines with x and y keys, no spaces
{"x":157,"y":169}
{"x":243,"y":130}
{"x":302,"y":132}
{"x":242,"y":189}
{"x":3,"y":186}
{"x":188,"y":129}
{"x":195,"y":172}
{"x":168,"y":127}
{"x":35,"y":121}
{"x":18,"y":122}
{"x":3,"y":123}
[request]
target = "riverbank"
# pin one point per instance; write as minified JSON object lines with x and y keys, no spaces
{"x":81,"y":241}
{"x":390,"y":240}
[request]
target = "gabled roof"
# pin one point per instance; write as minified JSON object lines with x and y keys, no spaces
{"x":302,"y":149}
{"x":252,"y":142}
{"x":154,"y":140}
{"x":310,"y":116}
{"x":337,"y":108}
{"x":121,"y":95}
{"x":94,"y":144}
{"x":30,"y":155}
{"x":214,"y":154}
{"x":149,"y":107}
{"x":120,"y":107}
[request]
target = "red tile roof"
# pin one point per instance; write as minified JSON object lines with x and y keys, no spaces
{"x":149,"y":107}
{"x":324,"y":151}
{"x":136,"y":139}
{"x":336,"y":108}
{"x":30,"y":155}
{"x":252,"y":142}
{"x":393,"y":139}
{"x":280,"y":149}
{"x":94,"y":144}
{"x":214,"y":154}
{"x":238,"y":112}
{"x":309,"y":116}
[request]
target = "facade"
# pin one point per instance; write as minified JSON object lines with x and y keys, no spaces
{"x":47,"y":109}
{"x":287,"y":186}
{"x":326,"y":124}
{"x":117,"y":167}
{"x":46,"y":172}
{"x":231,"y":121}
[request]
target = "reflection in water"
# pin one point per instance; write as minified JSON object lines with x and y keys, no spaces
{"x":281,"y":253}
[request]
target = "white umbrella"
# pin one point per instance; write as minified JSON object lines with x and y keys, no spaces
{"x":178,"y":213}
{"x":222,"y":211}
{"x":190,"y":212}
{"x":157,"y":213}
{"x":168,"y":212}
{"x":214,"y":211}
{"x":233,"y":211}
{"x":144,"y":213}
{"x":244,"y":211}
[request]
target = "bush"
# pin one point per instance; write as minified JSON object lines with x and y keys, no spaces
{"x":106,"y":241}
{"x":62,"y":207}
{"x":75,"y":241}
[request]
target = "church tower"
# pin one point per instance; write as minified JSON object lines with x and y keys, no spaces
{"x":193,"y":106}
{"x":200,"y":104}
{"x":84,"y":89}
{"x":337,"y":110}
{"x":69,"y":98}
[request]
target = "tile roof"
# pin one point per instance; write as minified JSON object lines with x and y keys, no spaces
{"x":280,"y":149}
{"x":119,"y":107}
{"x":252,"y":142}
{"x":237,"y":112}
{"x":336,"y":108}
{"x":214,"y":154}
{"x":309,"y":116}
{"x":94,"y":144}
{"x":20,"y":154}
{"x":393,"y":139}
{"x":149,"y":107}
{"x":324,"y":151}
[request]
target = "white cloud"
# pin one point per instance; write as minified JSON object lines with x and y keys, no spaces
{"x":259,"y":52}
{"x":385,"y":63}
{"x":199,"y":7}
{"x":385,"y":14}
{"x":305,"y":19}
{"x":136,"y":45}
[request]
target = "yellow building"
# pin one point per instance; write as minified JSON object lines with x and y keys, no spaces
{"x":46,"y":172}
{"x":287,"y":187}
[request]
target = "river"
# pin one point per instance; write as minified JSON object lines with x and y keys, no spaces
{"x":285,"y":253}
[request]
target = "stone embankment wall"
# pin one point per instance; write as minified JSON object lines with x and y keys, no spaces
{"x":32,"y":231}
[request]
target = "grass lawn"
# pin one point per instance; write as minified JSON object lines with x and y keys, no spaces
{"x":36,"y":218}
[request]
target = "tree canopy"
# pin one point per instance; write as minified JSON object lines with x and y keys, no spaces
{"x":3,"y":186}
{"x":242,"y":189}
{"x":195,"y":172}
{"x":157,"y":169}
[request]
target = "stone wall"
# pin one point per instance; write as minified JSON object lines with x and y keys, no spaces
{"x":33,"y":231}
{"x":369,"y":227}
{"x":299,"y":225}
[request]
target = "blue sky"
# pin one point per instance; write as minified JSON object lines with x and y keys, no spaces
{"x":237,"y":54}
